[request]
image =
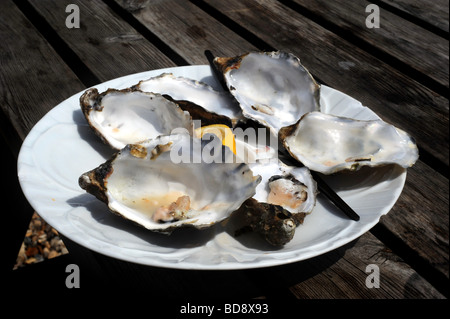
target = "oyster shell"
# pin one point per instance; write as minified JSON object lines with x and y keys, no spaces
{"x":272,"y":222}
{"x":196,"y":92}
{"x":152,"y":185}
{"x":291,"y":187}
{"x":284,"y":197}
{"x":327,"y":144}
{"x":122,"y":117}
{"x":272,"y":88}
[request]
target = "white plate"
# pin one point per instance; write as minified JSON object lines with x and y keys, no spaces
{"x":61,"y":147}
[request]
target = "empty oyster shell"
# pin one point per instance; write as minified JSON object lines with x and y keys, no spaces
{"x":327,"y":144}
{"x":151,"y":185}
{"x":196,"y":92}
{"x":273,"y":88}
{"x":122,"y":117}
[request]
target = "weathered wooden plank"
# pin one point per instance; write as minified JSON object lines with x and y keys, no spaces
{"x":34,"y":78}
{"x":433,"y":12}
{"x":404,"y":41}
{"x":396,"y":98}
{"x":420,"y":217}
{"x":108,"y":46}
{"x":346,"y":270}
{"x":189,"y":30}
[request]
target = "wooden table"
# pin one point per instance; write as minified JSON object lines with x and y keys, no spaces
{"x":400,"y":70}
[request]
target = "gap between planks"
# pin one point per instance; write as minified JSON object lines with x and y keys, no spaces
{"x":414,"y":19}
{"x":146,"y":33}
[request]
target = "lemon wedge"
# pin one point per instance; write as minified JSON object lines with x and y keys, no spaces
{"x":222,"y":131}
